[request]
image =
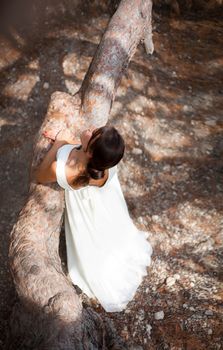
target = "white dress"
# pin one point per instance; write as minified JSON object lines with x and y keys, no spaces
{"x":107,"y":255}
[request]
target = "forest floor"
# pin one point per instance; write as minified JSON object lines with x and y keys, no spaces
{"x":169,"y":109}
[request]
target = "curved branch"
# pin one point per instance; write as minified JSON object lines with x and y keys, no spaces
{"x":127,"y":27}
{"x":50,"y":315}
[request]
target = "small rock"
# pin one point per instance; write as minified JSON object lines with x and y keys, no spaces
{"x":167,"y":167}
{"x":155,"y":218}
{"x":141,"y":315}
{"x":148,"y":329}
{"x":210,"y":122}
{"x":210,"y":331}
{"x":209,"y":313}
{"x":185,"y":306}
{"x":46,"y":86}
{"x":137,"y":151}
{"x":187,"y":108}
{"x":159,"y":315}
{"x":170,"y":281}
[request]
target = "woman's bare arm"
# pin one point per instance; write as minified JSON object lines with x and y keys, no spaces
{"x":65,"y":134}
{"x":46,"y":171}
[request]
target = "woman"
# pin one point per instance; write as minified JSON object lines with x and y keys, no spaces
{"x":107,"y":255}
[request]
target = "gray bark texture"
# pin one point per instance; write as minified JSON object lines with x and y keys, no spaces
{"x":49,"y":314}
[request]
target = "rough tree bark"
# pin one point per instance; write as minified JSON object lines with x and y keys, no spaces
{"x":49,"y":314}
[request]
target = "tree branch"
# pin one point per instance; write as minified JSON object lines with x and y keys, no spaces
{"x":50,"y":315}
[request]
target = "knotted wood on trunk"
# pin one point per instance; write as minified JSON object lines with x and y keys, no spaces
{"x":50,"y":315}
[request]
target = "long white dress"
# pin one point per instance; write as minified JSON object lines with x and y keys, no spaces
{"x":107,"y":255}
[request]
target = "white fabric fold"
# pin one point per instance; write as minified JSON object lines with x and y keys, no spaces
{"x":107,"y":255}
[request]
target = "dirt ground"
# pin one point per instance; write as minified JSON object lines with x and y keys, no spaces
{"x":169,"y":109}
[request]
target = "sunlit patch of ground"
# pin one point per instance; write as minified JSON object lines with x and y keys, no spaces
{"x":169,"y":109}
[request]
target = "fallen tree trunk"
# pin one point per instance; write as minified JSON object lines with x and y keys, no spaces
{"x":49,"y":314}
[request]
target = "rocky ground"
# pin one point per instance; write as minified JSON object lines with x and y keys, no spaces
{"x":169,"y":109}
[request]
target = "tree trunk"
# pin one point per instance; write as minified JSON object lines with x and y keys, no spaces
{"x":49,"y":314}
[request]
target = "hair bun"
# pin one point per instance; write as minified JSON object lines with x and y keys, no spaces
{"x":94,"y":173}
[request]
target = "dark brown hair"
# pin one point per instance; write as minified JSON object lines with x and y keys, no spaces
{"x":107,"y":147}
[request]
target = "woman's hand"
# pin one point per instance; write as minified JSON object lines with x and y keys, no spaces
{"x":63,"y":135}
{"x":51,"y":134}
